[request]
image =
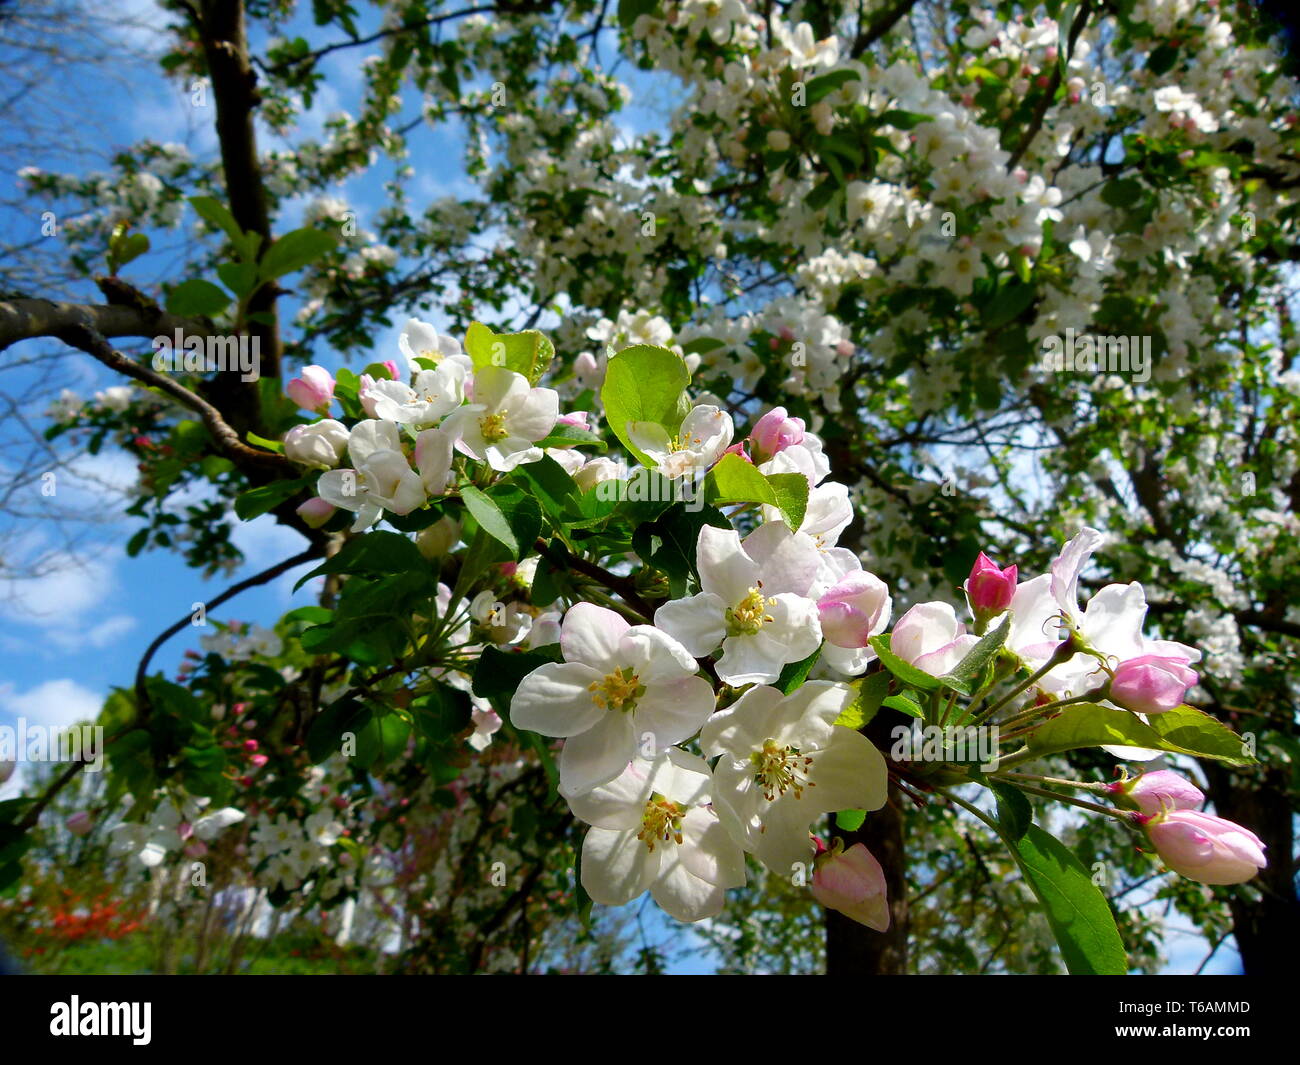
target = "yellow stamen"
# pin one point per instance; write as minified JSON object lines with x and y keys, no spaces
{"x":780,"y":769}
{"x":493,"y":428}
{"x":618,"y":691}
{"x":661,"y":822}
{"x":748,"y":616}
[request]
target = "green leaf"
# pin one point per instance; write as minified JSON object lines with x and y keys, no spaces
{"x":668,"y":542}
{"x":240,"y":278}
{"x":1197,"y":733}
{"x":1121,"y":192}
{"x":257,"y":501}
{"x":508,"y":515}
{"x":733,"y":480}
{"x":557,"y":492}
{"x":219,"y":217}
{"x":572,"y":436}
{"x":871,"y":695}
{"x":325,"y":735}
{"x":1011,"y":301}
{"x":791,"y":491}
{"x":128,"y":249}
{"x":795,"y":673}
{"x":262,"y":441}
{"x":376,"y":554}
{"x":296,"y":249}
{"x":191,"y":298}
{"x":903,"y":119}
{"x":529,"y":353}
{"x":850,"y":820}
{"x":644,"y":384}
{"x":903,"y":705}
{"x":137,"y":543}
{"x":1162,"y":59}
{"x":1077,"y":911}
{"x":1188,"y":731}
{"x":963,"y":675}
{"x":1014,"y":812}
{"x":821,"y":87}
{"x":904,"y":671}
{"x":630,"y":10}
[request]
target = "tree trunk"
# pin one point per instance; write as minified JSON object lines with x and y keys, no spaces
{"x":853,"y":949}
{"x":1267,"y":927}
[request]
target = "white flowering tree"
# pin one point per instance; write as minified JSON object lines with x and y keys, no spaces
{"x":684,"y":477}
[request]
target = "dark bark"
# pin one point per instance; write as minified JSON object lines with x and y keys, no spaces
{"x":1267,"y":928}
{"x":853,"y":949}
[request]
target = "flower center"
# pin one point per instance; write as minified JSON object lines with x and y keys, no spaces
{"x":493,"y":427}
{"x":618,"y":691}
{"x":661,"y":822}
{"x":750,"y":614}
{"x":780,"y":769}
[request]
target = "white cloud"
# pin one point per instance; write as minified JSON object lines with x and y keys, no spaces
{"x":60,"y":597}
{"x":52,"y":704}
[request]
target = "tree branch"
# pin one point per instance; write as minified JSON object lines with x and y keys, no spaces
{"x":226,"y":439}
{"x":28,"y":319}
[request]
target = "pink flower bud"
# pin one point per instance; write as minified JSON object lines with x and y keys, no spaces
{"x":315,"y":512}
{"x":240,"y":708}
{"x":988,"y":588}
{"x":312,"y":389}
{"x":1206,"y":848}
{"x":393,"y":371}
{"x":774,"y":432}
{"x":855,"y":609}
{"x":196,"y":848}
{"x":259,"y":760}
{"x":80,"y":823}
{"x":251,"y":745}
{"x":578,"y":419}
{"x":853,"y":883}
{"x":1161,"y":790}
{"x":1151,"y":684}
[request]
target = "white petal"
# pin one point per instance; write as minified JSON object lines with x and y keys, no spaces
{"x":598,"y":755}
{"x":725,"y":569}
{"x":620,"y":804}
{"x":743,"y":726}
{"x":671,"y":713}
{"x":655,"y":656}
{"x":850,"y":774}
{"x":535,"y":417}
{"x":591,"y":635}
{"x":682,"y":895}
{"x":616,"y":866}
{"x":709,"y":852}
{"x":554,"y":700}
{"x":372,"y":435}
{"x":787,"y":562}
{"x":697,"y":623}
{"x":750,"y":660}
